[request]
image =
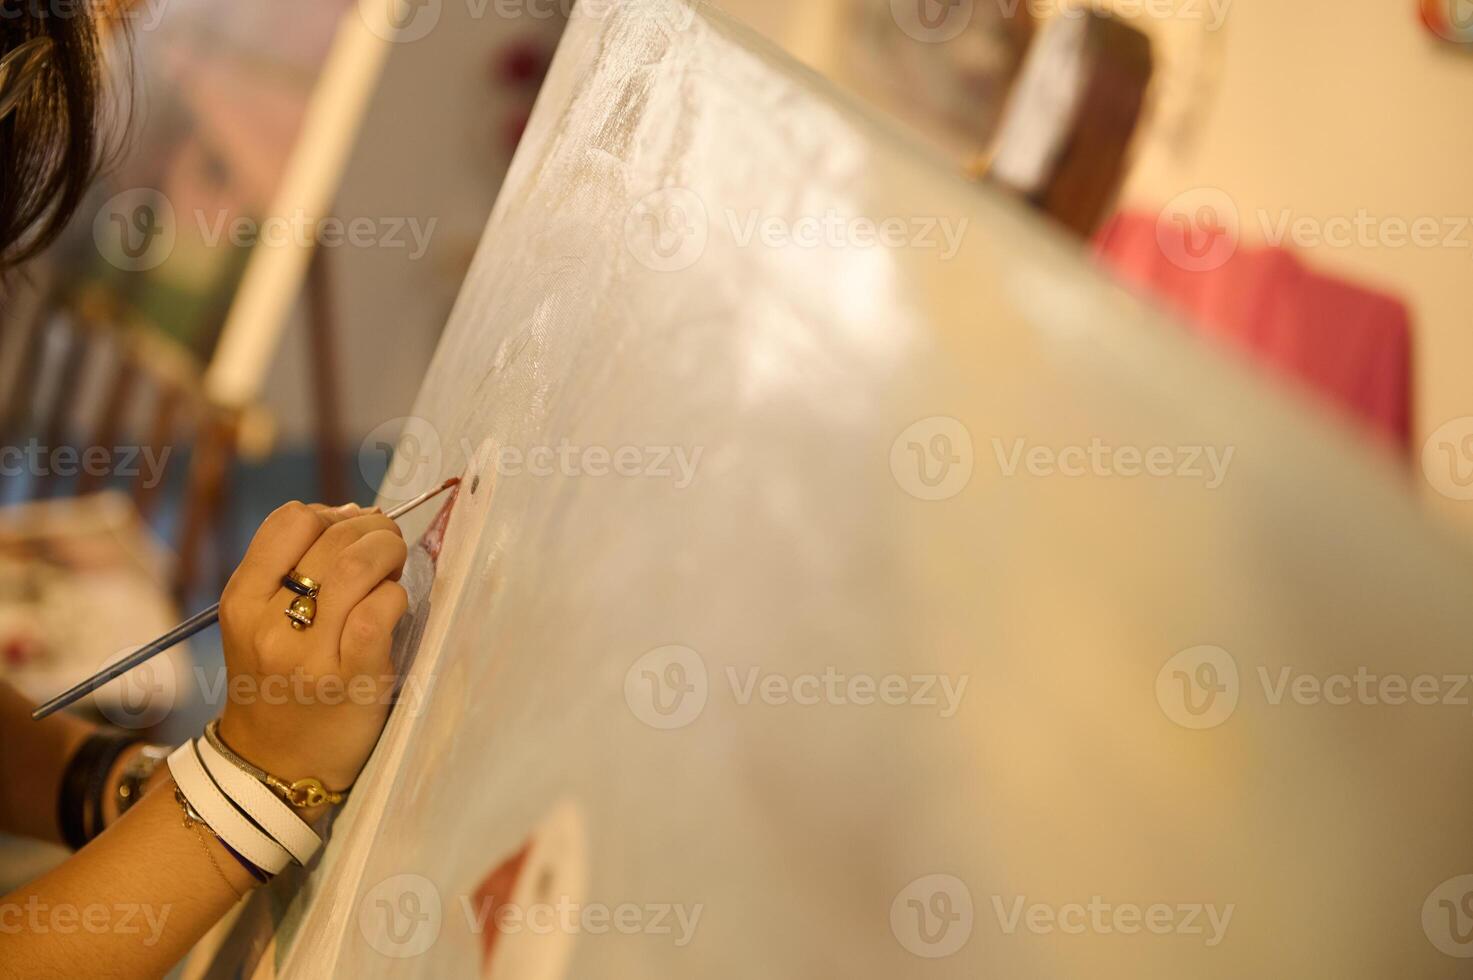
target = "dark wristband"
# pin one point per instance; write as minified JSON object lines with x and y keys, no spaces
{"x":79,"y":808}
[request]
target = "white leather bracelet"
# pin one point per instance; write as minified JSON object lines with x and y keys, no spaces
{"x":228,"y":823}
{"x":270,"y":812}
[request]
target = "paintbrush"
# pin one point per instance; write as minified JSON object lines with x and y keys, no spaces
{"x":194,"y":624}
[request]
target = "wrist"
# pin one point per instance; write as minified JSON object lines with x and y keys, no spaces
{"x":112,"y":806}
{"x":136,"y":772}
{"x":238,"y":873}
{"x":220,"y":791}
{"x":287,"y":762}
{"x":288,"y":767}
{"x":85,"y":804}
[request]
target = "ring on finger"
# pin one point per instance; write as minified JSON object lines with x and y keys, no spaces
{"x":301,"y":584}
{"x":303,"y":608}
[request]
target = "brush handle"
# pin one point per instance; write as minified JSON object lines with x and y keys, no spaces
{"x":199,"y":621}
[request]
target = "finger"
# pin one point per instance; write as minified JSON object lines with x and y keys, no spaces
{"x":286,"y":535}
{"x":368,"y":633}
{"x":318,"y":562}
{"x":342,"y":511}
{"x":356,"y":571}
{"x":280,"y":542}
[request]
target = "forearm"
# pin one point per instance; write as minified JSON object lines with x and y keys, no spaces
{"x":33,"y":756}
{"x":129,"y":904}
{"x":136,"y":899}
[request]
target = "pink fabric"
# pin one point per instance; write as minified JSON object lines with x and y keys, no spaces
{"x":1348,"y":343}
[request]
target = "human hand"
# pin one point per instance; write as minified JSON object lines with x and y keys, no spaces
{"x":312,"y":702}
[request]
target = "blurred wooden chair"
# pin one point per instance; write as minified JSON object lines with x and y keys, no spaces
{"x":81,"y":381}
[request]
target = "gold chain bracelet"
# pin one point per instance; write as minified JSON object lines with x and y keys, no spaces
{"x":193,"y":821}
{"x":304,"y":794}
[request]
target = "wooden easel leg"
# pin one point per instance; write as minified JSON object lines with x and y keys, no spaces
{"x":204,"y":504}
{"x":322,"y":324}
{"x":160,"y":439}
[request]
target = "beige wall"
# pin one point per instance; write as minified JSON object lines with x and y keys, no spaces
{"x":1328,"y":109}
{"x":1317,"y":109}
{"x":431,"y":150}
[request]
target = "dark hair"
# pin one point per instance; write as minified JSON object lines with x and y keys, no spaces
{"x":49,"y":144}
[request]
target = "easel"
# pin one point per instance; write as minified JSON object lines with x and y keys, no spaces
{"x":218,"y":438}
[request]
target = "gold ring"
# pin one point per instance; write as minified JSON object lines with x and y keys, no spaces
{"x":301,"y":584}
{"x":303,"y":608}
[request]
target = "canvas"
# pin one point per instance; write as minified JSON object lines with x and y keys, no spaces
{"x":848,"y":581}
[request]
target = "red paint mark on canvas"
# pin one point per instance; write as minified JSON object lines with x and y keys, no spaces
{"x":493,"y":895}
{"x":433,"y":540}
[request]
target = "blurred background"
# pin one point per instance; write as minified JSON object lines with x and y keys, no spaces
{"x":243,"y":313}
